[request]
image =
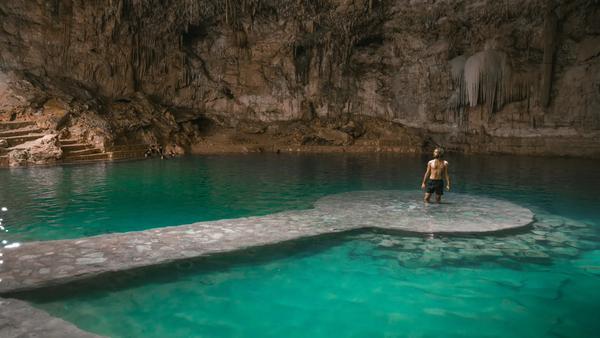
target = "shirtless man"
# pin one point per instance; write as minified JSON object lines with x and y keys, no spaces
{"x":436,"y":168}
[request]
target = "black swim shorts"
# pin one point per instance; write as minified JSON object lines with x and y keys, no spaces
{"x":436,"y":186}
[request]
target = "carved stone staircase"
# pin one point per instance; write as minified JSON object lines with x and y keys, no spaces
{"x":77,"y":151}
{"x":128,"y":152}
{"x":74,"y":150}
{"x":15,"y":133}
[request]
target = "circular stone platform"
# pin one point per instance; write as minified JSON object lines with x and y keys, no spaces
{"x":405,"y":210}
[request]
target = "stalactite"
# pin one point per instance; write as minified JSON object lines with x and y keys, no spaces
{"x":485,"y":75}
{"x":457,"y":70}
{"x":234,"y":11}
{"x":67,"y":21}
{"x":191,"y":9}
{"x":522,"y":86}
{"x":549,"y":36}
{"x":486,"y":78}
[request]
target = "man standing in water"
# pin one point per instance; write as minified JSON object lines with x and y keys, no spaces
{"x":436,"y":169}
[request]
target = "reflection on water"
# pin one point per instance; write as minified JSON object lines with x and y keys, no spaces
{"x":3,"y":233}
{"x":4,"y":243}
{"x":75,"y":201}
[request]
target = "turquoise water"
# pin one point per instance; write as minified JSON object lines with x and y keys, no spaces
{"x":77,"y":201}
{"x":350,"y":288}
{"x":539,"y":282}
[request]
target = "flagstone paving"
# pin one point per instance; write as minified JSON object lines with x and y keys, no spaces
{"x":37,"y":264}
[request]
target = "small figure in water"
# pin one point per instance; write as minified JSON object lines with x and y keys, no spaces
{"x":436,"y":169}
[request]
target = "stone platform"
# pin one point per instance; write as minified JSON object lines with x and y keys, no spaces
{"x":39,"y":264}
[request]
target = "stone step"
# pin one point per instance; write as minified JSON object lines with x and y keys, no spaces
{"x":75,"y":146}
{"x":87,"y":158}
{"x":19,"y":132}
{"x":67,"y":141}
{"x":129,"y":147}
{"x":128,"y":154}
{"x":16,"y":140}
{"x":9,"y":125}
{"x":73,"y":153}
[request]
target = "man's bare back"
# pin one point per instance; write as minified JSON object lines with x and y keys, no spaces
{"x":437,"y":171}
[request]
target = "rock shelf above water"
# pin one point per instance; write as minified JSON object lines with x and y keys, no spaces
{"x":39,"y":264}
{"x":405,"y":211}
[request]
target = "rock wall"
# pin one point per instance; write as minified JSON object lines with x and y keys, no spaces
{"x":484,"y":75}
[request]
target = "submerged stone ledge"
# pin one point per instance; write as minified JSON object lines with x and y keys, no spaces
{"x":19,"y":319}
{"x":39,"y":264}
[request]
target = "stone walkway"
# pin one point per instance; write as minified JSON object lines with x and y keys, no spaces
{"x":38,"y":264}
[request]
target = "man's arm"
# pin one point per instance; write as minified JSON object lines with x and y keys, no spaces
{"x":447,"y":177}
{"x":425,"y":176}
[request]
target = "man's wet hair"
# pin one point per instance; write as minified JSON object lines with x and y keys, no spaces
{"x":440,"y":150}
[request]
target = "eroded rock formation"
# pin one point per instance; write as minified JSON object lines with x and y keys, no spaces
{"x":44,"y":150}
{"x":504,"y":76}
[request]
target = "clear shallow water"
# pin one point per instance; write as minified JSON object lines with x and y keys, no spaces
{"x":77,"y":201}
{"x":540,"y":282}
{"x":355,"y":286}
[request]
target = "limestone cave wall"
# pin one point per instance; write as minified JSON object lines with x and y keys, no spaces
{"x":508,"y":76}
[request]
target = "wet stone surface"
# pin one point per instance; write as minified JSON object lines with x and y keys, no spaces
{"x":405,"y":211}
{"x":37,"y":264}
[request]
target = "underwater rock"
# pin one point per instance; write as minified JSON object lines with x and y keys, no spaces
{"x":388,"y":243}
{"x":531,"y":247}
{"x":19,"y":319}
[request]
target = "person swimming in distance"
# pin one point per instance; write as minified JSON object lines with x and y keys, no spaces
{"x":437,"y":171}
